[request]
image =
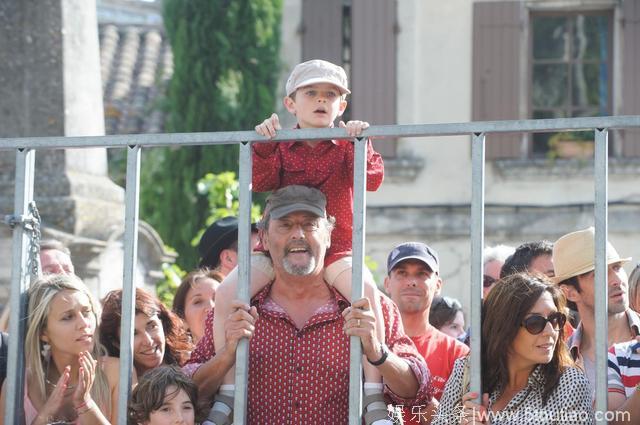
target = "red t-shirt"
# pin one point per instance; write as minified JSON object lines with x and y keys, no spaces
{"x":440,"y":351}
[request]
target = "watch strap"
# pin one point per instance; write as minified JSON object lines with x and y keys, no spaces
{"x":383,"y":358}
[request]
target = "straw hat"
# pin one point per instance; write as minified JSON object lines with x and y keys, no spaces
{"x":574,"y":254}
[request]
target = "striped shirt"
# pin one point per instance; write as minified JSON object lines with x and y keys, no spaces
{"x":624,"y":368}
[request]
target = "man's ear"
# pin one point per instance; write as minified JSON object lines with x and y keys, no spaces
{"x":329,"y":238}
{"x":264,"y":238}
{"x":289,"y":104}
{"x":386,"y":284}
{"x":438,"y":285}
{"x":570,"y":292}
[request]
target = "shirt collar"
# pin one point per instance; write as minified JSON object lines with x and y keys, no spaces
{"x":574,"y":341}
{"x":299,"y":142}
{"x":261,"y":297}
{"x":634,"y":321}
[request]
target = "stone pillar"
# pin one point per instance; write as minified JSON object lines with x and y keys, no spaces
{"x":50,"y":85}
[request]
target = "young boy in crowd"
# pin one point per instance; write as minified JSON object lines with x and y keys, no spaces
{"x":316,"y":95}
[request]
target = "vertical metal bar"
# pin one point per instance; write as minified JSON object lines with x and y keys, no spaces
{"x":132,"y":191}
{"x":244,"y":277}
{"x":25,"y":167}
{"x":477,"y":245}
{"x":601,"y":286}
{"x":359,"y":219}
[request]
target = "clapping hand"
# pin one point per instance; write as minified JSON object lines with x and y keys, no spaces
{"x":53,"y":404}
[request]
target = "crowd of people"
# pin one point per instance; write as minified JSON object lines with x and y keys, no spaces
{"x":538,"y":324}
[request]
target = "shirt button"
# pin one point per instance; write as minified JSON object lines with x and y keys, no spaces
{"x":299,"y":369}
{"x":297,"y":404}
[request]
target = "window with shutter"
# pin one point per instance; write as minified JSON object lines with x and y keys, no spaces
{"x":497,"y":28}
{"x":322,"y":30}
{"x":373,"y":65}
{"x":630,"y":74}
{"x":359,"y":35}
{"x":571,"y":62}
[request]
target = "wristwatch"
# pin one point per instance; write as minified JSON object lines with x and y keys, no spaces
{"x":383,"y":358}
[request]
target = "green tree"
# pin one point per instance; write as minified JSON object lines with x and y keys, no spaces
{"x":222,"y":193}
{"x":225,"y":78}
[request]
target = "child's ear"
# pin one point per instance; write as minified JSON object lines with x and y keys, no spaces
{"x":289,"y":104}
{"x":343,"y":107}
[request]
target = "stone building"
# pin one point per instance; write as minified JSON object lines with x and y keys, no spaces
{"x":51,"y":85}
{"x":418,"y":62}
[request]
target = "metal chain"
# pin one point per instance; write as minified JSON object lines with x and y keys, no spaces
{"x":31,"y":224}
{"x":34,"y":247}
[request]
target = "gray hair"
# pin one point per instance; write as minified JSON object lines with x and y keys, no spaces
{"x":497,"y":253}
{"x":54,"y":244}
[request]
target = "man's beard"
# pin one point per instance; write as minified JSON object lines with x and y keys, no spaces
{"x":300,"y":269}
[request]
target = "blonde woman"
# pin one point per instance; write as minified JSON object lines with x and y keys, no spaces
{"x":68,"y":379}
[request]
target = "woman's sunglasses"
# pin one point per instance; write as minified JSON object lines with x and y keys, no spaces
{"x":488,"y":281}
{"x":536,"y":323}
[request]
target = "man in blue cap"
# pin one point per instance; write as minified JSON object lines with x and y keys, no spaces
{"x":412,"y":282}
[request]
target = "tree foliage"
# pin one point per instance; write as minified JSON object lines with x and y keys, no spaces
{"x":222,"y":192}
{"x":225,"y":78}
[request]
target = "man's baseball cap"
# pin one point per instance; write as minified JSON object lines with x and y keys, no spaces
{"x":317,"y":71}
{"x":218,"y":236}
{"x":574,"y":254}
{"x":413,"y":251}
{"x":295,"y":198}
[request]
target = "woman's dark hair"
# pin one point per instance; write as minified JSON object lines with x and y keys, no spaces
{"x":151,"y":393}
{"x":178,"y":347}
{"x":443,"y":311}
{"x":180,"y":298}
{"x":503,"y":311}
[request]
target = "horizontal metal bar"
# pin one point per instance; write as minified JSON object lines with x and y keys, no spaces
{"x":404,"y":130}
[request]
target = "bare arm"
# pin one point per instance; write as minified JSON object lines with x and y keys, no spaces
{"x":2,"y":401}
{"x":395,"y":371}
{"x":398,"y":375}
{"x":209,"y":375}
{"x":239,"y":324}
{"x":630,"y":406}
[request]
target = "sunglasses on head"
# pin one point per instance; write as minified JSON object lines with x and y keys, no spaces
{"x":488,"y":281}
{"x":536,"y":323}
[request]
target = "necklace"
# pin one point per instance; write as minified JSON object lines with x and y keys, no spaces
{"x":46,"y":378}
{"x":69,"y":387}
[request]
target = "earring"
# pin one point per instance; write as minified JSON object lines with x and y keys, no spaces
{"x":46,"y":351}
